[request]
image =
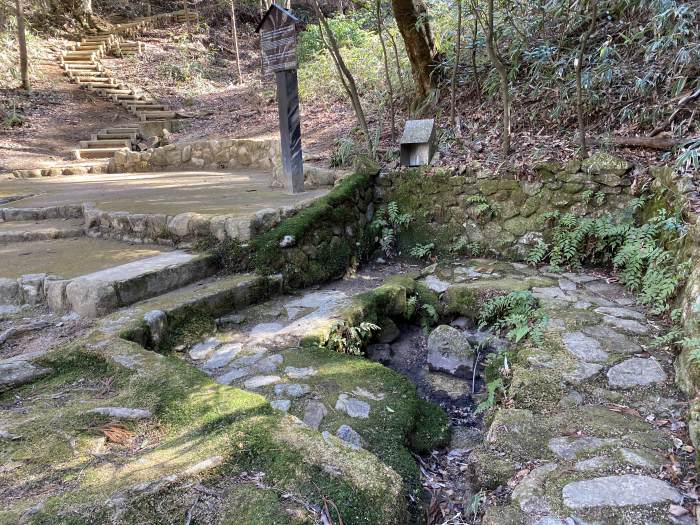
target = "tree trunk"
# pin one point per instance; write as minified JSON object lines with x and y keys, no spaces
{"x":475,"y":70}
{"x":455,"y":69}
{"x":380,"y":32}
{"x":502,"y":73}
{"x":187,"y":17}
{"x":235,"y":40}
{"x":579,"y":87}
{"x":344,"y":73}
{"x":420,"y":48}
{"x":22,"y":42}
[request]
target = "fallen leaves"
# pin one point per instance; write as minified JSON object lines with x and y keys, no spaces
{"x":116,"y":433}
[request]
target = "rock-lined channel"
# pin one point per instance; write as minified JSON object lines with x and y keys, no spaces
{"x":591,"y":414}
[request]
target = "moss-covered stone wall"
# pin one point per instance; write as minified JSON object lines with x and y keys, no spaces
{"x":501,"y":213}
{"x":320,"y":242}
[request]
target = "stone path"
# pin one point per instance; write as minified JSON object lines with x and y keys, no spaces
{"x":82,"y":65}
{"x":593,"y":415}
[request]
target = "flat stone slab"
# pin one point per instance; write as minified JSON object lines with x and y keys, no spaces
{"x":611,"y":340}
{"x":261,"y":381}
{"x":435,"y":284}
{"x":14,"y":373}
{"x":314,"y":413}
{"x":583,"y":347}
{"x":625,"y":313}
{"x":203,"y":350}
{"x":352,"y":407}
{"x":122,"y":412}
{"x":292,"y":389}
{"x":281,"y":404}
{"x":222,"y":356}
{"x":618,"y":491}
{"x":627,"y":325}
{"x":299,"y":373}
{"x":350,"y":436}
{"x":570,"y":447}
{"x":635,"y":372}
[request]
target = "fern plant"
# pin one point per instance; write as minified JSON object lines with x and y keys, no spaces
{"x":421,"y":251}
{"x":387,"y":224}
{"x":347,"y":339}
{"x":481,"y":207}
{"x":636,"y":252}
{"x":517,"y":313}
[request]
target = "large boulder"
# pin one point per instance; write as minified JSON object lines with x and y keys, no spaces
{"x":449,"y":351}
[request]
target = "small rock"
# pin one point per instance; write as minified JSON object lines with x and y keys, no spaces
{"x":627,"y":325}
{"x":314,"y":413}
{"x":299,"y":373}
{"x":594,"y":463}
{"x":232,"y":375}
{"x":572,"y":399}
{"x":570,"y":447}
{"x":121,"y":412}
{"x":352,"y":407}
{"x":281,"y":404}
{"x":292,"y":389}
{"x":642,"y":458}
{"x":231,"y":320}
{"x":618,"y":491}
{"x":362,"y":392}
{"x":449,"y":351}
{"x":635,"y":372}
{"x":584,"y":347}
{"x":157,"y":322}
{"x":4,"y":434}
{"x":379,"y":352}
{"x":389,"y":331}
{"x":287,"y":240}
{"x":16,"y":373}
{"x":435,"y":284}
{"x":350,"y":436}
{"x":268,"y":364}
{"x":261,"y":381}
{"x":625,"y":313}
{"x":204,"y":349}
{"x":461,"y":323}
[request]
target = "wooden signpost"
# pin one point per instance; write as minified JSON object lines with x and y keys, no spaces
{"x":278,"y":42}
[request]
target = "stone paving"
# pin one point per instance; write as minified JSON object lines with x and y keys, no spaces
{"x":240,"y":193}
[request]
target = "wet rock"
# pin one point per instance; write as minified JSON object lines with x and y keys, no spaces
{"x":435,"y":284}
{"x":16,"y":373}
{"x":390,"y":332}
{"x":352,"y":407}
{"x":486,"y":338}
{"x":449,"y":351}
{"x":618,"y":491}
{"x":232,"y":375}
{"x":157,"y":323}
{"x":594,"y":463}
{"x":314,"y":413}
{"x":570,"y":447}
{"x":635,"y":372}
{"x":222,"y":356}
{"x":627,"y":325}
{"x":292,"y":389}
{"x":379,"y":352}
{"x":583,"y":347}
{"x":281,"y":404}
{"x":204,"y":349}
{"x":299,"y":373}
{"x":268,"y":364}
{"x":350,"y":436}
{"x":261,"y":381}
{"x":122,"y":413}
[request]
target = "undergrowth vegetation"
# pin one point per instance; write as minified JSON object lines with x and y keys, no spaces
{"x":637,"y":251}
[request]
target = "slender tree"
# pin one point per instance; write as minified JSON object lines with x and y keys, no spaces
{"x":578,"y":65}
{"x":22,"y":42}
{"x":399,"y":72}
{"x":234,"y":33}
{"x":455,"y":69}
{"x":500,"y":66}
{"x":346,"y":77}
{"x":418,"y":39}
{"x":380,"y":32}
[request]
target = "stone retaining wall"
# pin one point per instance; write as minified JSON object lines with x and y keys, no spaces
{"x":74,"y":211}
{"x":502,"y":213}
{"x":212,"y":154}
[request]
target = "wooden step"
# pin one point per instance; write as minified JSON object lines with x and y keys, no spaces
{"x":103,"y":135}
{"x":137,"y":110}
{"x":156,"y":115}
{"x":105,"y":143}
{"x":96,"y":153}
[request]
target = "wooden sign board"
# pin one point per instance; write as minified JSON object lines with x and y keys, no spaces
{"x":278,"y":40}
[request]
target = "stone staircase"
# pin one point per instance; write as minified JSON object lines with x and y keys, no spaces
{"x":81,"y":63}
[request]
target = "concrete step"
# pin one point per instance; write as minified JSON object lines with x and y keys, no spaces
{"x":105,"y":143}
{"x":157,"y":115}
{"x":102,"y":292}
{"x":95,"y":153}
